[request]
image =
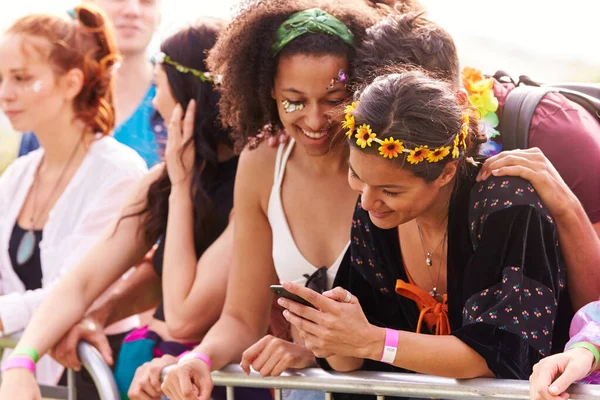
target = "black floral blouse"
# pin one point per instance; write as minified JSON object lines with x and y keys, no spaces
{"x":506,"y":290}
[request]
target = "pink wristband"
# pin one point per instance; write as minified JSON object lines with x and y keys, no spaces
{"x":192,"y":355}
{"x":19,"y":362}
{"x":390,"y":347}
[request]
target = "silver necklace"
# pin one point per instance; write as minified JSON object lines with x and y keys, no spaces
{"x":428,"y":253}
{"x":28,"y":243}
{"x":428,"y":259}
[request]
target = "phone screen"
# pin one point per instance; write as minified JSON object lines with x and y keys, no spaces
{"x":281,"y":292}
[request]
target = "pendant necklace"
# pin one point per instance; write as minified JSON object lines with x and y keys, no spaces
{"x":28,"y":243}
{"x":429,"y":261}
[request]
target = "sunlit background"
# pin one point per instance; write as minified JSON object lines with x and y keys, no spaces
{"x":546,"y":39}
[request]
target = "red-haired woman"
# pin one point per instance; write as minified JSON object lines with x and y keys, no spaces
{"x":55,"y":79}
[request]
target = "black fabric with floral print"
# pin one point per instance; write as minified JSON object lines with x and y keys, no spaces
{"x":505,"y":276}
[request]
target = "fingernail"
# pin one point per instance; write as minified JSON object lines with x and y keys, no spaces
{"x":280,"y":302}
{"x":554,"y":389}
{"x":286,"y":314}
{"x":286,"y":285}
{"x":495,"y":172}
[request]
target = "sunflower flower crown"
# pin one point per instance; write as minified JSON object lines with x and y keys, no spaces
{"x":392,"y":148}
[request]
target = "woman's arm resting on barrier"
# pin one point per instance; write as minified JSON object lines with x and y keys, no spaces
{"x":270,"y":356}
{"x":579,"y":239}
{"x":342,"y":328}
{"x":138,"y":292}
{"x":553,"y":375}
{"x":245,"y":316}
{"x":147,"y":380}
{"x":120,"y":247}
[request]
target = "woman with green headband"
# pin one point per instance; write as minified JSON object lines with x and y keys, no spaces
{"x":284,"y":65}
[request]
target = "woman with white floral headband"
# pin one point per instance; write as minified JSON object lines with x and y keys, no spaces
{"x":446,"y":276}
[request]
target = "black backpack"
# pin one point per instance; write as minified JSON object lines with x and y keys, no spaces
{"x":522,"y":101}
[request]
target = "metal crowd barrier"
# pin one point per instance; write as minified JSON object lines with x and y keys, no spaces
{"x":91,"y":360}
{"x":387,"y":384}
{"x":373,"y":383}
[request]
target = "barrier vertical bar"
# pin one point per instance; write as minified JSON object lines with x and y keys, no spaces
{"x":277,"y":394}
{"x":71,"y":387}
{"x":230,"y":393}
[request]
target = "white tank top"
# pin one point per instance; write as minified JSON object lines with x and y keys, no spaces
{"x":289,"y":262}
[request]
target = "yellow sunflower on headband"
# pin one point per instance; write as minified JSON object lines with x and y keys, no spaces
{"x":390,"y":148}
{"x":418,"y":154}
{"x":349,"y":108}
{"x":438,"y":154}
{"x":349,"y":124}
{"x":364,"y":136}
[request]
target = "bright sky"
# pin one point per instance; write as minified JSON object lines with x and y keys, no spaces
{"x":547,"y":39}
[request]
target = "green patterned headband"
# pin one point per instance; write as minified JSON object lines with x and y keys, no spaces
{"x":310,"y":21}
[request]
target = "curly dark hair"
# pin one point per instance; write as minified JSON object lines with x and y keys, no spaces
{"x":418,"y":110}
{"x":243,"y":56}
{"x":408,"y":39}
{"x":189,"y":47}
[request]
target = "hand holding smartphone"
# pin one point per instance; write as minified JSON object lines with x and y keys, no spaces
{"x":281,"y":292}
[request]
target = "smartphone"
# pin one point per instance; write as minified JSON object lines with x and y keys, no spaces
{"x":281,"y":292}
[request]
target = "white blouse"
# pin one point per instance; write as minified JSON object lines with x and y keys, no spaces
{"x":90,"y":202}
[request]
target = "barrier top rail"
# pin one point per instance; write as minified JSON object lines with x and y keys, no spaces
{"x":391,"y":384}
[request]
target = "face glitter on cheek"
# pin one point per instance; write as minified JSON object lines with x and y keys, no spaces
{"x":291,"y":107}
{"x":36,"y":87}
{"x":341,"y":77}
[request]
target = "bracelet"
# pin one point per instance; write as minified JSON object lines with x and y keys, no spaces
{"x":184,"y":353}
{"x":390,"y":347}
{"x":193,"y":355}
{"x":19,"y":362}
{"x":591,"y":347}
{"x":26,"y":351}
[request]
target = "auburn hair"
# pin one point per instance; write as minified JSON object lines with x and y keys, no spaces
{"x":86,"y":42}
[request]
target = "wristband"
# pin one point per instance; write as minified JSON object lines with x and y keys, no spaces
{"x":26,"y":351}
{"x":590,"y":347}
{"x":184,"y":353}
{"x":390,"y":347}
{"x":193,"y":355}
{"x":19,"y":362}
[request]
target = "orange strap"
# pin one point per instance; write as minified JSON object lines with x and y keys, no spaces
{"x":435,"y":314}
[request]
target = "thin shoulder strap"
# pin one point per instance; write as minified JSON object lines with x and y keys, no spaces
{"x":281,"y":161}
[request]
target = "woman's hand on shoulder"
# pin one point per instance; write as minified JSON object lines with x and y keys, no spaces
{"x":532,"y":165}
{"x":270,"y":356}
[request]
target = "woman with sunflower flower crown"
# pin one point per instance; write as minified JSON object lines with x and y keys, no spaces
{"x":447,"y":276}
